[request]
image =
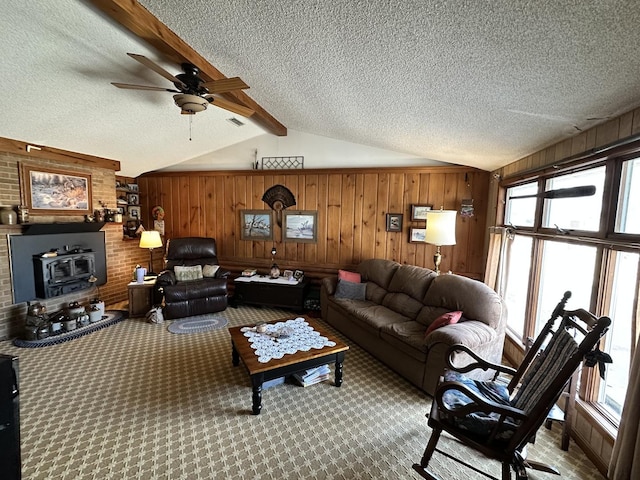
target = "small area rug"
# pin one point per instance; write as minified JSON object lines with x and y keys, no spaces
{"x":197,"y":324}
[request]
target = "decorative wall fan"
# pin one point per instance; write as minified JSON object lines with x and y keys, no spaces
{"x":193,"y":94}
{"x":278,"y":198}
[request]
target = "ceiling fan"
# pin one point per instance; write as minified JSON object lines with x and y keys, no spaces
{"x":193,"y":94}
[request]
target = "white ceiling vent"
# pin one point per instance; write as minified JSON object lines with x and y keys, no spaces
{"x":235,"y":121}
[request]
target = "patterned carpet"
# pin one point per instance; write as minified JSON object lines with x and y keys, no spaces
{"x":137,"y":402}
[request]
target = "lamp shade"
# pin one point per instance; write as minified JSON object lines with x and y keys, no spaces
{"x":150,"y":239}
{"x":441,"y":227}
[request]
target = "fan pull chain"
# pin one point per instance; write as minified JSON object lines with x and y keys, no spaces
{"x":190,"y":125}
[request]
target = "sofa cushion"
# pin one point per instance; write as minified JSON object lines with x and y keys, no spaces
{"x":407,"y":337}
{"x":370,"y":314}
{"x":403,"y":304}
{"x":185,"y":274}
{"x":474,"y":298}
{"x":412,"y":280}
{"x":375,"y":292}
{"x":350,"y":290}
{"x":378,"y":270}
{"x":349,"y":276}
{"x":448,"y":318}
{"x":196,"y":289}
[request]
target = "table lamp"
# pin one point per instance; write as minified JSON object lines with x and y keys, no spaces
{"x":441,"y":230}
{"x":150,"y":239}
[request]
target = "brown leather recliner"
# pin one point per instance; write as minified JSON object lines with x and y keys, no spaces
{"x":192,"y":297}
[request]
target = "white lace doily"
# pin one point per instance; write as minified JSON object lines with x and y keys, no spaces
{"x":284,"y":338}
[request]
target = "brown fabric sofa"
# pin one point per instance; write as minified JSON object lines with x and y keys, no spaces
{"x":401,"y":302}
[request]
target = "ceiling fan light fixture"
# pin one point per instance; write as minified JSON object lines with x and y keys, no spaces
{"x":190,"y":104}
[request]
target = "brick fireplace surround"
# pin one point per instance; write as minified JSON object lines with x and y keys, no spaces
{"x":122,"y":255}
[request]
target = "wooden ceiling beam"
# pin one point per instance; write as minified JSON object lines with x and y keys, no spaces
{"x":18,"y":147}
{"x":138,"y":20}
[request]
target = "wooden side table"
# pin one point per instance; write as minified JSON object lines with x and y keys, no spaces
{"x":140,"y":297}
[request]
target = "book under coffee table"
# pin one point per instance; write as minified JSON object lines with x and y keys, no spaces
{"x":260,"y":372}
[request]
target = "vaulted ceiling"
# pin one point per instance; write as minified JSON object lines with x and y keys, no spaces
{"x":471,"y":83}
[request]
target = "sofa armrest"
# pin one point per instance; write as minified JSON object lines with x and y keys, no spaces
{"x":166,"y":277}
{"x":327,"y":289}
{"x":222,"y":273}
{"x":470,"y":333}
{"x":329,"y":284}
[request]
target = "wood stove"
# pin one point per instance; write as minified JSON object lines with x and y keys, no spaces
{"x":63,"y":273}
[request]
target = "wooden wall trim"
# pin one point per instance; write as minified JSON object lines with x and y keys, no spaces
{"x":18,"y":147}
{"x":216,"y":173}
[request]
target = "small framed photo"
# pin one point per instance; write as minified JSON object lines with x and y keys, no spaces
{"x":134,"y":212}
{"x":132,"y":199}
{"x":256,"y":225}
{"x":419,"y":211}
{"x":394,"y":222}
{"x":288,"y":274}
{"x":298,"y":275}
{"x":300,"y":226}
{"x":120,"y":210}
{"x":417,"y":235}
{"x":132,"y":187}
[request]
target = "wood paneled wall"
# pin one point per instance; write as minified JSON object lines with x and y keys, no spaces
{"x":352,"y":205}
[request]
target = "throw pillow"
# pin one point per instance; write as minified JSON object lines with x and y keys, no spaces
{"x":210,"y":270}
{"x":185,"y":274}
{"x":351,"y":290}
{"x":349,"y":276}
{"x":448,"y":318}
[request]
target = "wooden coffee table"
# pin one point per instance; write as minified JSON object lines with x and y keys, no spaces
{"x":288,"y":364}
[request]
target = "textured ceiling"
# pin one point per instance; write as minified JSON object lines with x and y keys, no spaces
{"x":473,"y":83}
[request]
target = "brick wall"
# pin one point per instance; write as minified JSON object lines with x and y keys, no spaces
{"x":122,"y":255}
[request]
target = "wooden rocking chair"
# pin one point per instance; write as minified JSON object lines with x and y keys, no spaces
{"x":497,"y":418}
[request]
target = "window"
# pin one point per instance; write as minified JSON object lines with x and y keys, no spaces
{"x":580,"y":213}
{"x":516,"y":284}
{"x":577,"y":262}
{"x":628,"y":216}
{"x":576,"y":244}
{"x":618,"y":341}
{"x":521,"y":211}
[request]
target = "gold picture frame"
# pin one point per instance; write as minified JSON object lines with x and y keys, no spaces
{"x":49,"y":191}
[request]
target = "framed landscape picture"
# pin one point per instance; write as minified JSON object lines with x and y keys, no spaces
{"x":49,"y":191}
{"x":419,"y":211}
{"x":300,"y":226}
{"x":256,"y":225}
{"x":417,"y":235}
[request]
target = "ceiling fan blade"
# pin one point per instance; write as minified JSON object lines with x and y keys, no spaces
{"x":225,"y":85}
{"x":155,"y":67}
{"x":143,"y":87}
{"x":232,"y":107}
